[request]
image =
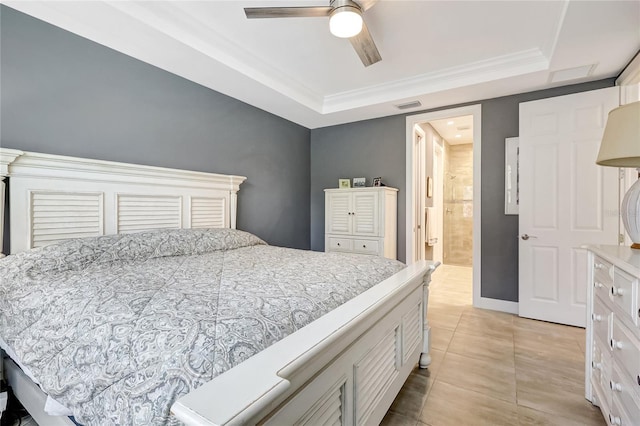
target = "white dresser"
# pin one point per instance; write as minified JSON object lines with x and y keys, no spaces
{"x":361,"y":220}
{"x":612,"y":368}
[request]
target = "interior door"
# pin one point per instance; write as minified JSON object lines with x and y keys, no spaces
{"x":419,"y":194}
{"x":566,"y":201}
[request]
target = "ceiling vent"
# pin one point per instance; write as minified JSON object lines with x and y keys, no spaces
{"x":572,"y":73}
{"x":408,"y":105}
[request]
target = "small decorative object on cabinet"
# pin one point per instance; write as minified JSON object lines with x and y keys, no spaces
{"x":612,"y":361}
{"x":344,"y":183}
{"x":359,"y":182}
{"x":361,"y":220}
{"x":377,"y":181}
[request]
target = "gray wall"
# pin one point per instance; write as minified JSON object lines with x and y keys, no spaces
{"x":63,"y":94}
{"x":377,"y":148}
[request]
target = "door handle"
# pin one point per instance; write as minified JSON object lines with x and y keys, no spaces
{"x":526,"y":237}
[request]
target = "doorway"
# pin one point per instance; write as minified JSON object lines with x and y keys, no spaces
{"x":438,"y":192}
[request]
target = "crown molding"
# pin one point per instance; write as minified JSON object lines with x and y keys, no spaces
{"x":524,"y":62}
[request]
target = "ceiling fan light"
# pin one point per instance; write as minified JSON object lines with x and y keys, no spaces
{"x":345,"y":22}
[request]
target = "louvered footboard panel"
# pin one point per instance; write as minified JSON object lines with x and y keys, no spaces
{"x":373,"y":375}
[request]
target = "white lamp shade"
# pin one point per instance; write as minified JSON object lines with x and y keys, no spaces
{"x":345,"y":22}
{"x":620,"y":145}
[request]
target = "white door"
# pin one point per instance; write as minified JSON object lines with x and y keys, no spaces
{"x":566,"y":201}
{"x":438,"y":199}
{"x":419,"y":165}
{"x":339,"y":210}
{"x":365,"y":213}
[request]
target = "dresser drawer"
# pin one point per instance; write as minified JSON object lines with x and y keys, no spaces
{"x":366,"y":246}
{"x":601,"y":320}
{"x":618,"y":416}
{"x":623,"y":294}
{"x":601,"y":371}
{"x":340,"y":244}
{"x":602,"y":283}
{"x":602,"y":271}
{"x":625,"y":348}
{"x":622,"y":388}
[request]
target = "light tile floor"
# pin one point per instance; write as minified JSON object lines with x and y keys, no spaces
{"x":493,"y":368}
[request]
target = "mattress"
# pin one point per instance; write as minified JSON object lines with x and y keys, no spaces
{"x":117,"y":328}
{"x":51,"y":406}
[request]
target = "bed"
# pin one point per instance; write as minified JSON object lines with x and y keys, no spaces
{"x":345,"y":353}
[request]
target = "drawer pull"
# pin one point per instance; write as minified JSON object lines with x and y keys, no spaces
{"x":616,"y":344}
{"x":599,"y":266}
{"x":615,"y":386}
{"x":338,"y":244}
{"x":617,"y":291}
{"x":596,"y":365}
{"x":598,"y":285}
{"x":364,"y":246}
{"x":596,"y":317}
{"x":638,"y":379}
{"x":614,"y":420}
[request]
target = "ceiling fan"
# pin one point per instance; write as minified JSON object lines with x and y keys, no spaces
{"x":345,"y":21}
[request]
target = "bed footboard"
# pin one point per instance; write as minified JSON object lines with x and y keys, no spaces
{"x":346,"y":367}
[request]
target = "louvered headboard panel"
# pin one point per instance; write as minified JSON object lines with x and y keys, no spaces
{"x":53,"y":198}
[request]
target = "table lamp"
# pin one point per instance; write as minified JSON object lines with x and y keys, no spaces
{"x":620,"y":147}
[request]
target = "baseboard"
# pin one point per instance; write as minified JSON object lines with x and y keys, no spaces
{"x":497,"y":305}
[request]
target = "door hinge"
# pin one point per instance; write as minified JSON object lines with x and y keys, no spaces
{"x":621,"y":238}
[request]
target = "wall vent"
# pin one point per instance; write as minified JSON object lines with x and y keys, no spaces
{"x":412,"y":104}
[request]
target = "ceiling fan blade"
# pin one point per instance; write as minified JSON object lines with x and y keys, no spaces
{"x":366,"y":4}
{"x":365,"y":47}
{"x":286,"y":12}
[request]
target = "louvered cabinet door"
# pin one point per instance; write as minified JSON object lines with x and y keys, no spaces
{"x":339,"y":209}
{"x":365,"y":213}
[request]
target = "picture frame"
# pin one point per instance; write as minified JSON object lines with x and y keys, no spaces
{"x":344,"y":183}
{"x":359,"y":182}
{"x":377,"y":181}
{"x":511,"y":176}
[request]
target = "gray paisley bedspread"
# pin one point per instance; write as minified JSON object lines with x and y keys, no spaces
{"x":117,"y":328}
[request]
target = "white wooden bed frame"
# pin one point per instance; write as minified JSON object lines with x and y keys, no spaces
{"x":345,"y":368}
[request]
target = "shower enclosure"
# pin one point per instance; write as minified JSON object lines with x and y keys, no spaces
{"x":458,"y":205}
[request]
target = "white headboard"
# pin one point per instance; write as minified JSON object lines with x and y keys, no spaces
{"x":54,"y":197}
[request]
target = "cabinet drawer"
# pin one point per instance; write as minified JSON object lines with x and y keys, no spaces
{"x":618,"y":416}
{"x":602,"y":271}
{"x":623,"y":294}
{"x":625,"y":348}
{"x":601,"y":371}
{"x":366,"y":246}
{"x":601,"y":320}
{"x":622,"y":388}
{"x":340,"y":244}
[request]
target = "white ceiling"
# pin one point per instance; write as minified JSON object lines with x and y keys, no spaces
{"x":438,"y":52}
{"x":455,"y":130}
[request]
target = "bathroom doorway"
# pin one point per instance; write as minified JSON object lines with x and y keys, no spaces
{"x":448,"y":206}
{"x":454,"y":212}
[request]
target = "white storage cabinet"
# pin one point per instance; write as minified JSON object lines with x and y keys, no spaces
{"x":612,"y":368}
{"x":361,"y":220}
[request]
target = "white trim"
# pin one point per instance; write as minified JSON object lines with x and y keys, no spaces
{"x":496,"y":68}
{"x":496,"y":305}
{"x":413,"y":120}
{"x":631,"y":73}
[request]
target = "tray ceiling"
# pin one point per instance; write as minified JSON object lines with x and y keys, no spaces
{"x":436,"y":52}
